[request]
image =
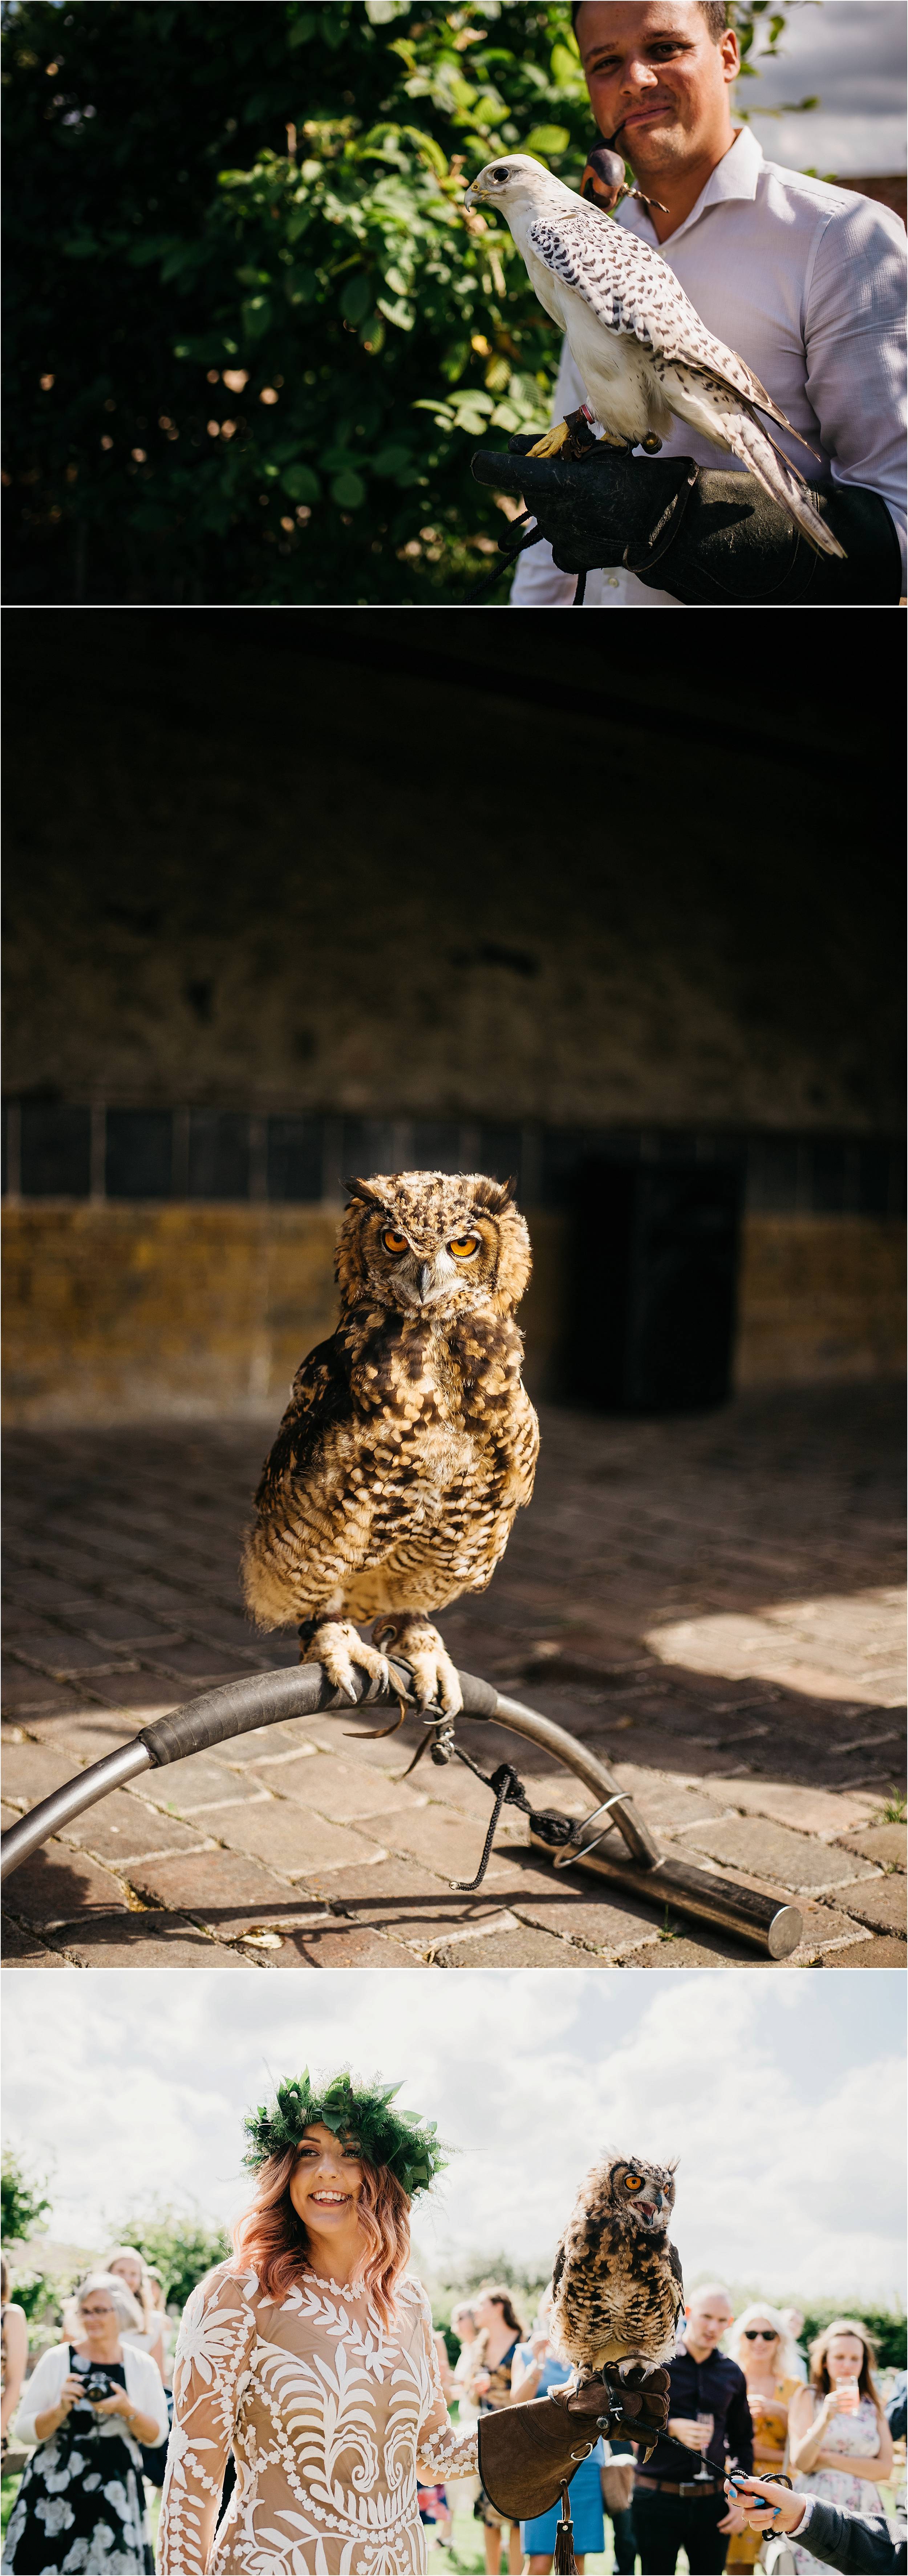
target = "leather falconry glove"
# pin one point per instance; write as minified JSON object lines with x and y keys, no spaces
{"x":528,"y":2453}
{"x":713,"y":540}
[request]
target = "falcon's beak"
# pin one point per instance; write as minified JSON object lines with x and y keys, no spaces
{"x":470,"y":198}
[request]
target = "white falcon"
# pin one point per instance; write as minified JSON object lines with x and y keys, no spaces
{"x":641,"y":348}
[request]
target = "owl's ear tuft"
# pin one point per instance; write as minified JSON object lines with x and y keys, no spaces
{"x":494,"y":1196}
{"x":364,"y":1190}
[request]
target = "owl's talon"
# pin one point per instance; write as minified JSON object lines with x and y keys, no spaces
{"x":435,"y":1684}
{"x":338,"y":1647}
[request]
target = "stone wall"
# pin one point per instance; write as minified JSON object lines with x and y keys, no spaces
{"x":118,"y":1313}
{"x":348,"y":871}
{"x":258,"y":872}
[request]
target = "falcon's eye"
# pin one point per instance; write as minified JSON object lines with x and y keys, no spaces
{"x":633,"y":2182}
{"x":463,"y":1246}
{"x":396,"y":1243}
{"x":502,"y":171}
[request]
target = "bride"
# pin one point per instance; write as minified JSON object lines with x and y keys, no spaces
{"x":310,"y":2356}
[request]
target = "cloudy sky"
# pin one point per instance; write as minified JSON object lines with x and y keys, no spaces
{"x":782,"y":2094}
{"x":850,"y":54}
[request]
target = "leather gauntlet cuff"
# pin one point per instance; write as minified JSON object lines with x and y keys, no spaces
{"x":528,"y":2453}
{"x":711,"y":539}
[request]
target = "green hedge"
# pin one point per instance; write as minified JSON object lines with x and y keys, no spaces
{"x":252,"y":338}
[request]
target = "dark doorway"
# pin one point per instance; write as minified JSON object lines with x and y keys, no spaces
{"x":654,"y":1270}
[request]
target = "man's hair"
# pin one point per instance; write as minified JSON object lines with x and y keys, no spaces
{"x":715,"y":13}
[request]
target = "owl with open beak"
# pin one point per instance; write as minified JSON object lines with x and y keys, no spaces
{"x":617,"y":2285}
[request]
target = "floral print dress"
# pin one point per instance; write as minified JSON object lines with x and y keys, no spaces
{"x":81,"y":2505}
{"x":856,"y":2436}
{"x":329,"y":2413}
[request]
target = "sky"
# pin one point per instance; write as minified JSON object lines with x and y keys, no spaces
{"x":850,"y":54}
{"x":781,"y":2092}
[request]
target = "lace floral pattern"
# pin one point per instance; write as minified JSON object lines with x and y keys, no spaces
{"x":330,"y":2415}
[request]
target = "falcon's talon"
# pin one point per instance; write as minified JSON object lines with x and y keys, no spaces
{"x":553,"y":443}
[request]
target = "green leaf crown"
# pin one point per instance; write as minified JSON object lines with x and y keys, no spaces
{"x":409,"y":2146}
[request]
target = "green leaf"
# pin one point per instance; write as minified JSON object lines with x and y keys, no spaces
{"x":356,"y":300}
{"x":300,"y":285}
{"x":301,"y":29}
{"x":257,"y":314}
{"x":399,"y":313}
{"x":565,"y":71}
{"x":547,"y":138}
{"x":391,"y":460}
{"x":348,"y":490}
{"x":300,"y":483}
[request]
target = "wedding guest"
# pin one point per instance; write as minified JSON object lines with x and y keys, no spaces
{"x":793,"y":2322}
{"x":463,"y":2324}
{"x":759,"y":2344}
{"x":88,"y":2407}
{"x":13,"y":2351}
{"x":537,"y":2367}
{"x":710,"y":2416}
{"x":840,"y":2442}
{"x":499,"y":2331}
{"x":131,"y":2267}
{"x":853,"y":2542}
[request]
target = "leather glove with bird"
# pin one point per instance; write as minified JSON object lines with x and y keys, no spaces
{"x":710,"y":538}
{"x":528,"y":2453}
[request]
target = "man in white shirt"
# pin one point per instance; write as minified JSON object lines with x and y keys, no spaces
{"x":805,"y":280}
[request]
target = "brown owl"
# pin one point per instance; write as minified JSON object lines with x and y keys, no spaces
{"x":617,"y":2286}
{"x":409,"y":1442}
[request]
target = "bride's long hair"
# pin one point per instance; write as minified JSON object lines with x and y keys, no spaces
{"x":271,"y":2237}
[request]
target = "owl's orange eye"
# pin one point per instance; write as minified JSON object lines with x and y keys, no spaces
{"x":463,"y":1246}
{"x":394,"y":1242}
{"x":633,"y":2182}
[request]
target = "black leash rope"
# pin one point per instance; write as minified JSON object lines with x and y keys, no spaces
{"x":507,"y":1789}
{"x":481,"y":588}
{"x":509,"y":1792}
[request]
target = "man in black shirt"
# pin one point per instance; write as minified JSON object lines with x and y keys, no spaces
{"x":670,"y":2509}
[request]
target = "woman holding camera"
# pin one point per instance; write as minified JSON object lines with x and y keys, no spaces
{"x":88,"y":2406}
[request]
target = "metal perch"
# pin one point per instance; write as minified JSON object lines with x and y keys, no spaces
{"x":633,"y":1862}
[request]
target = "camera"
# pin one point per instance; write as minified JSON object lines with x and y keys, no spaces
{"x":96,"y":2385}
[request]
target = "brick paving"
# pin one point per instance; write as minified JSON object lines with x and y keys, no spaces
{"x":711,"y":1603}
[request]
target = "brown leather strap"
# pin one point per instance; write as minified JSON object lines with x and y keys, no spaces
{"x":664,"y":2486}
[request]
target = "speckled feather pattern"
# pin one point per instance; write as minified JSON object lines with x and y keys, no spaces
{"x":635,"y":294}
{"x":642,"y":350}
{"x":617,"y":2285}
{"x":409,"y":1442}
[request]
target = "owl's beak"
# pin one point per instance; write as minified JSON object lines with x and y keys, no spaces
{"x":425,"y":1275}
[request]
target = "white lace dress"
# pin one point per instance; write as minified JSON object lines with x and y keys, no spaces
{"x":857,"y":2437}
{"x":329,"y":2414}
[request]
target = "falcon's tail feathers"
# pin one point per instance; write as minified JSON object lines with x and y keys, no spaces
{"x":774,"y":471}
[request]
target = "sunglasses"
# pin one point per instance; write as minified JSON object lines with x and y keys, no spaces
{"x":760,"y":2334}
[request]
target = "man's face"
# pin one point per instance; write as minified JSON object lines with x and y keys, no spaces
{"x":658,"y":84}
{"x":706,"y":2320}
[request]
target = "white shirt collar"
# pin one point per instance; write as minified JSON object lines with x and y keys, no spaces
{"x":736,"y":175}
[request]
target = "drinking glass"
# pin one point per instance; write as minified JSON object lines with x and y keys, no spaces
{"x":704,"y":2475}
{"x":849,"y":2396}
